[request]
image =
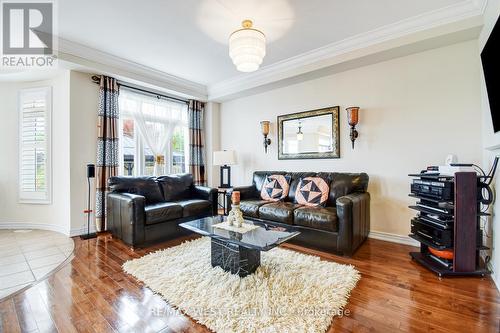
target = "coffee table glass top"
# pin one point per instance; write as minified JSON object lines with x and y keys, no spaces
{"x":263,"y":238}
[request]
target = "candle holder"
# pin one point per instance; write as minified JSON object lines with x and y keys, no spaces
{"x":235,"y":216}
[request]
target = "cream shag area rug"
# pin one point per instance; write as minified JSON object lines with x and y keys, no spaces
{"x":289,"y":292}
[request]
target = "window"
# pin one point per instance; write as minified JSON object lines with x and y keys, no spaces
{"x":153,"y":135}
{"x":35,"y":107}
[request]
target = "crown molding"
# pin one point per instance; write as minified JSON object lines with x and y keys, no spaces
{"x":461,"y":16}
{"x":109,"y":64}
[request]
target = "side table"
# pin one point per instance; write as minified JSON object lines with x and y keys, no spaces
{"x":222,"y":203}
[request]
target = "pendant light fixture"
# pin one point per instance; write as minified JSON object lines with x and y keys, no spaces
{"x":300,"y":135}
{"x":247,"y":47}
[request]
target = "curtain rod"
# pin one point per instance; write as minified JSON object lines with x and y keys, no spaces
{"x":96,"y":79}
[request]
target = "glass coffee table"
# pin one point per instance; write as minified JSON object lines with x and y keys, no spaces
{"x":239,"y":252}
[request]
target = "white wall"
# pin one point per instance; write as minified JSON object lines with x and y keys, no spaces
{"x":84,"y":96}
{"x":415,"y":111}
{"x":74,"y":133}
{"x":491,"y":140}
{"x":55,"y":215}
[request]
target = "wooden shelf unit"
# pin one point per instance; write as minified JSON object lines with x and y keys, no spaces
{"x":466,"y":228}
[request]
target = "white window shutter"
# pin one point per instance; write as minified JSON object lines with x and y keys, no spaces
{"x":35,"y":106}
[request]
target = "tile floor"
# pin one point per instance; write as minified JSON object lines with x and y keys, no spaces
{"x":29,"y":255}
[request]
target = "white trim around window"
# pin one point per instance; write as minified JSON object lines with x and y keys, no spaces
{"x":35,"y":145}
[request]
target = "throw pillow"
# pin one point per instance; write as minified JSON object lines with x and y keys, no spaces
{"x":275,"y":188}
{"x":312,"y":191}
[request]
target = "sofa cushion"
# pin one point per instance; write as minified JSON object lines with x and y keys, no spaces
{"x":275,"y":188}
{"x":145,"y":186}
{"x":324,"y":218}
{"x":176,"y":187}
{"x":251,"y":207}
{"x":195,"y":207}
{"x":162,"y":212}
{"x":278,"y":211}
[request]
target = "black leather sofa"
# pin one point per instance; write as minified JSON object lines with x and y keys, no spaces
{"x":339,"y":227}
{"x":144,"y":210}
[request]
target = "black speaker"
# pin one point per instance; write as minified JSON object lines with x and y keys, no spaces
{"x":90,"y":170}
{"x":90,"y":174}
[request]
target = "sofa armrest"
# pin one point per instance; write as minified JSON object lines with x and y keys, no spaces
{"x":353,"y":211}
{"x":246,"y":192}
{"x":206,"y":193}
{"x":126,"y":217}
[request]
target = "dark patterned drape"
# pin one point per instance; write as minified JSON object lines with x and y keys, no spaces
{"x":107,"y":145}
{"x":196,"y":142}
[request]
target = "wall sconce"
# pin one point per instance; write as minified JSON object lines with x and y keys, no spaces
{"x":265,"y":124}
{"x":352,"y":118}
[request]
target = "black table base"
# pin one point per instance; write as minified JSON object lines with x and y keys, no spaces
{"x":233,"y":258}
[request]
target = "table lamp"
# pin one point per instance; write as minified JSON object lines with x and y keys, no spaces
{"x":225,"y":158}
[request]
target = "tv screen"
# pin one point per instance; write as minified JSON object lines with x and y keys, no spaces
{"x":490,"y":58}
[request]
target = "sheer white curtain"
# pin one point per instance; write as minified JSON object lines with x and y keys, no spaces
{"x":156,"y":120}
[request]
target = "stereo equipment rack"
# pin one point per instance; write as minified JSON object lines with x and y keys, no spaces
{"x":448,"y":224}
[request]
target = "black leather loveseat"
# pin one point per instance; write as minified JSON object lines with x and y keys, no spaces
{"x":144,"y":210}
{"x":340,"y":227}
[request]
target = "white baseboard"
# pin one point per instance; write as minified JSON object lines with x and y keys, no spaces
{"x":81,"y":231}
{"x":44,"y":226}
{"x":494,"y":277}
{"x":394,"y":238}
{"x":41,"y":226}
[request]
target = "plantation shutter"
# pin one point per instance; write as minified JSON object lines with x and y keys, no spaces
{"x":34,"y":132}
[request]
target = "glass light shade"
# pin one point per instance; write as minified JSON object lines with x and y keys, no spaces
{"x":265,"y":125}
{"x":352,"y":115}
{"x":300,"y":136}
{"x":247,"y":48}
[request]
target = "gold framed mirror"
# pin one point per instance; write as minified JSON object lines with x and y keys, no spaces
{"x":309,"y":135}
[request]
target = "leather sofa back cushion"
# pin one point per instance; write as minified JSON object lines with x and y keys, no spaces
{"x":345,"y":183}
{"x":176,"y":187}
{"x":275,"y":188}
{"x":145,"y":186}
{"x":312,"y":192}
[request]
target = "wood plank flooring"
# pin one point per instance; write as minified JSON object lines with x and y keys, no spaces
{"x":93,"y":294}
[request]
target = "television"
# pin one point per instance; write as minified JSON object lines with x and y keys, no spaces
{"x":490,"y":57}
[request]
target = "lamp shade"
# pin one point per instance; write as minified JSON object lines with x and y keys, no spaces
{"x":225,"y":157}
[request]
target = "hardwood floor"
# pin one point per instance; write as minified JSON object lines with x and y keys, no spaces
{"x":93,"y":294}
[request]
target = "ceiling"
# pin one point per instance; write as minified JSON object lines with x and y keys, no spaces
{"x":188,"y":38}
